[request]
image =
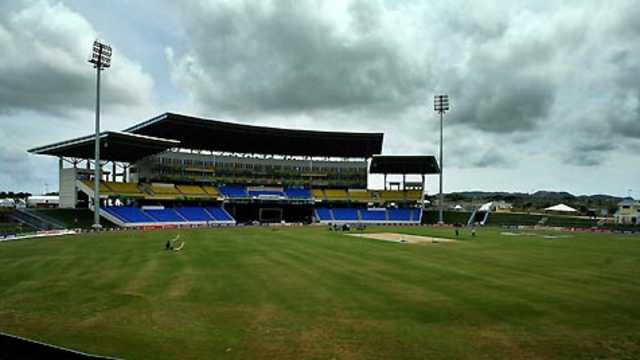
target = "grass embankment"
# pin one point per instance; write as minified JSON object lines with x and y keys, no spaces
{"x":71,"y":218}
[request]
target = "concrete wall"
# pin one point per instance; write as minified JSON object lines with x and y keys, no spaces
{"x":68,"y":190}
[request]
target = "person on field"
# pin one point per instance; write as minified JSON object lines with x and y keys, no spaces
{"x":168,"y":246}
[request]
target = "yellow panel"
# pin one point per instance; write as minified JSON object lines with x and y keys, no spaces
{"x":124,"y":188}
{"x":104,"y":189}
{"x":317,"y":194}
{"x":336,"y":194}
{"x":360,"y":195}
{"x":391,"y":195}
{"x":414,"y":195}
{"x":164,"y":190}
{"x":211,"y":190}
{"x":191,"y":190}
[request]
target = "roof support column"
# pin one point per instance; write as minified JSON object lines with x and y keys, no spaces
{"x":60,"y":168}
{"x":422,"y":193}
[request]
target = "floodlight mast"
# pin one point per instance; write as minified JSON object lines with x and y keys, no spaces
{"x":101,"y":60}
{"x":441,"y":105}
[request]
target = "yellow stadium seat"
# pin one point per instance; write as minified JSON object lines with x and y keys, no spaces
{"x":104,"y":189}
{"x":124,"y":189}
{"x":413,"y":195}
{"x":336,"y":194}
{"x":360,"y":195}
{"x":318,"y":194}
{"x":390,"y":195}
{"x":164,"y":190}
{"x":211,"y":190}
{"x":194,"y":190}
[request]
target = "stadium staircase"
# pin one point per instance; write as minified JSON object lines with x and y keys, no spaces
{"x":478,"y":217}
{"x":30,"y":218}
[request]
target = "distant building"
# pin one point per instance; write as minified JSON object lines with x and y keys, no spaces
{"x":628,"y":212}
{"x":7,"y":203}
{"x":43,"y":201}
{"x":502,"y":205}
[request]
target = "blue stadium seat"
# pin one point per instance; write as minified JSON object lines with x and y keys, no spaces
{"x":324,"y":214}
{"x":260,"y":193}
{"x":373,"y":215}
{"x":298,"y":193}
{"x":194,"y":214}
{"x":416,"y":214}
{"x":346,"y":214}
{"x":233,"y":191}
{"x":399,"y":214}
{"x":164,"y":215}
{"x":129,"y":214}
{"x":219,"y":214}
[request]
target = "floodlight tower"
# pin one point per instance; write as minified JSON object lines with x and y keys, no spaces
{"x":101,"y":60}
{"x":441,"y":105}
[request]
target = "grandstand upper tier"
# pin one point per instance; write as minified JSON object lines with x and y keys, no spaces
{"x":174,"y":157}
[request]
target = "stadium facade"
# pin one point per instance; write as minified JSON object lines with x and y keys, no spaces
{"x":175,"y":170}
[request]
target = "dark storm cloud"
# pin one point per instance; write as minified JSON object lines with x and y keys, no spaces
{"x":502,"y":87}
{"x":625,"y":112}
{"x":589,"y":153}
{"x":503,"y":104}
{"x":289,"y":56}
{"x":471,"y":151}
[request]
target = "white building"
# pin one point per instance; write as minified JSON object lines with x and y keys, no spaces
{"x":628,"y":212}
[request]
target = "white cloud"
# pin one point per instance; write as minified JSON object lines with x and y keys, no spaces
{"x":43,"y":67}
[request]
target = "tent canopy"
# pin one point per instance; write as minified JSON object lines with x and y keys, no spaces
{"x":561,"y":208}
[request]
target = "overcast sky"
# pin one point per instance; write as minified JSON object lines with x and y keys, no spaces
{"x":544,"y":95}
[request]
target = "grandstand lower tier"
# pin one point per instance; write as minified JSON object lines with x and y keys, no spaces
{"x":128,"y":216}
{"x":371,"y":215}
{"x":131,"y":216}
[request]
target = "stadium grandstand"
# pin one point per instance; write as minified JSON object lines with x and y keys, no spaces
{"x":175,"y":170}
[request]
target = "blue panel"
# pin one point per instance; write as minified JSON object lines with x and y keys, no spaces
{"x":164,"y":215}
{"x":194,"y":214}
{"x":234,"y":191}
{"x":345,"y":214}
{"x":399,"y":214}
{"x":297,"y":193}
{"x":129,"y":214}
{"x":373,"y":215}
{"x":324,"y":214}
{"x":219,"y":214}
{"x":266,"y":193}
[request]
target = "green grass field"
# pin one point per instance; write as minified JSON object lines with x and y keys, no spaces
{"x":309,"y":293}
